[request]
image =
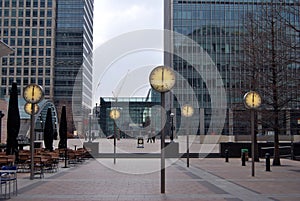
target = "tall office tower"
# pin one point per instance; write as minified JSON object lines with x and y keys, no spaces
{"x":218,"y":27}
{"x":52,"y":42}
{"x":29,"y":28}
{"x":73,"y":60}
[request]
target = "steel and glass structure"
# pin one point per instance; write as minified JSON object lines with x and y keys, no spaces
{"x":218,"y":27}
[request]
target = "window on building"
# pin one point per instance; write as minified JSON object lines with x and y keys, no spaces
{"x":48,"y":52}
{"x":40,"y":71}
{"x":32,"y":71}
{"x":47,"y":81}
{"x":12,"y":32}
{"x":28,"y":12}
{"x":19,"y":71}
{"x":21,"y":13}
{"x":12,"y":42}
{"x":21,"y":3}
{"x":27,"y":42}
{"x":41,"y":42}
{"x":40,"y":81}
{"x":27,"y":32}
{"x":49,"y":13}
{"x":11,"y":61}
{"x":20,"y":42}
{"x":4,"y":71}
{"x":13,"y":13}
{"x":32,"y":80}
{"x":26,"y":71}
{"x":4,"y":61}
{"x":35,"y":3}
{"x":42,"y":13}
{"x":28,"y":3}
{"x":3,"y":81}
{"x":6,"y":22}
{"x":19,"y":61}
{"x":33,"y":61}
{"x":13,"y":22}
{"x":41,"y":51}
{"x":34,"y":32}
{"x":42,"y":23}
{"x":33,"y":52}
{"x":47,"y":71}
{"x":49,"y":23}
{"x":20,"y":32}
{"x":33,"y":42}
{"x":27,"y":22}
{"x":42,"y":32}
{"x":6,"y":3}
{"x":41,"y":62}
{"x":11,"y":71}
{"x":25,"y":81}
{"x":26,"y":51}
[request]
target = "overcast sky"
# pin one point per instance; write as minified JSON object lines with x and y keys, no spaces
{"x":113,"y":18}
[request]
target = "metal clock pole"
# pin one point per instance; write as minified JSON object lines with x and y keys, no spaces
{"x":32,"y":142}
{"x":252,"y":142}
{"x":162,"y":145}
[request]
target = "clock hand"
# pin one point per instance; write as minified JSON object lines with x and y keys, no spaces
{"x":33,"y":93}
{"x":162,"y":77}
{"x":252,"y":99}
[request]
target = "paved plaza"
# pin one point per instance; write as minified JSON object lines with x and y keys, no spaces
{"x":139,"y":179}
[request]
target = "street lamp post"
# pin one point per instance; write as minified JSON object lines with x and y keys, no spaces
{"x":172,"y":126}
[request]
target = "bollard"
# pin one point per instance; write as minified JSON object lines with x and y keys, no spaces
{"x":268,"y":162}
{"x":243,"y":159}
{"x":226,"y":155}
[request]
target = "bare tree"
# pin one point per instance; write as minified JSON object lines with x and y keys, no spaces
{"x":270,"y":57}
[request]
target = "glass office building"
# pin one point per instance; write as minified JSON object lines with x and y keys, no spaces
{"x":217,"y":26}
{"x":73,"y":60}
{"x":53,"y":43}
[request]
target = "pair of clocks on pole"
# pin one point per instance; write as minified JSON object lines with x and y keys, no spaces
{"x":32,"y":94}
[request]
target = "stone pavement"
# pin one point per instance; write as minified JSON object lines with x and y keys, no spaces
{"x":139,"y":179}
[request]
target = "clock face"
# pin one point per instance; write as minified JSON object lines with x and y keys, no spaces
{"x":162,"y":78}
{"x":114,"y":114}
{"x":33,"y":93}
{"x":252,"y":100}
{"x":28,"y":108}
{"x":187,"y":110}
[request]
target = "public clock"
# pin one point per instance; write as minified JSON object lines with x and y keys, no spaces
{"x":187,"y":110}
{"x":33,"y":93}
{"x":162,"y":78}
{"x":29,"y":110}
{"x":114,"y":114}
{"x":252,"y":100}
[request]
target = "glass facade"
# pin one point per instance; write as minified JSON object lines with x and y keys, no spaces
{"x":133,"y":115}
{"x":73,"y":61}
{"x":218,"y":27}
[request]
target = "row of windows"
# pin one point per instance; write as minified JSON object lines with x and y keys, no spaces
{"x":29,"y":42}
{"x":33,"y":71}
{"x":26,"y":61}
{"x":40,"y":81}
{"x":28,"y":22}
{"x":27,"y":3}
{"x":5,"y":90}
{"x":26,"y":32}
{"x":27,"y":13}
